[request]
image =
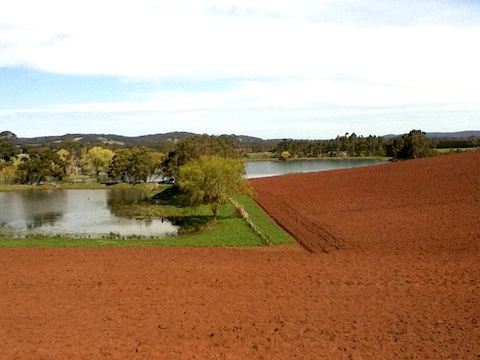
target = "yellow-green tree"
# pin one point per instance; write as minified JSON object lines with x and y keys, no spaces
{"x":212,"y":180}
{"x":7,"y":171}
{"x":284,"y":155}
{"x":99,"y":159}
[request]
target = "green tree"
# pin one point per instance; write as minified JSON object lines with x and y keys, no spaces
{"x":7,"y":147}
{"x":7,"y":135}
{"x":395,"y":146}
{"x":137,"y":164}
{"x":38,"y":166}
{"x":195,"y":146}
{"x":144,"y":163}
{"x":417,"y":145}
{"x":76,"y":157}
{"x":119,"y":168}
{"x":413,"y":145}
{"x":212,"y":180}
{"x":99,"y":159}
{"x":473,"y":141}
{"x":7,"y":171}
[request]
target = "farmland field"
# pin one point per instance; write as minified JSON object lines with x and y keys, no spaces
{"x":390,"y":271}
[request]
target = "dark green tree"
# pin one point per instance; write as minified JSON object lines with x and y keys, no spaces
{"x":7,"y":135}
{"x":120,"y":166}
{"x":7,"y":146}
{"x":417,"y":145}
{"x":413,"y":145}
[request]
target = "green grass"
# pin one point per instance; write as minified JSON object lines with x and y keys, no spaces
{"x":4,"y":188}
{"x":453,"y":150}
{"x":260,"y":156}
{"x":147,"y":187}
{"x":264,"y":222}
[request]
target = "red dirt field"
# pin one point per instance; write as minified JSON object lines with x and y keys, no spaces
{"x":403,"y":283}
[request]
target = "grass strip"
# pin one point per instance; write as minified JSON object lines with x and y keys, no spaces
{"x":263,"y":221}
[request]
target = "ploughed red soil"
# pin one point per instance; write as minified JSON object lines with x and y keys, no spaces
{"x":391,"y":272}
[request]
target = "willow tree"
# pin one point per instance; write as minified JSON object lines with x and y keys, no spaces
{"x":212,"y":180}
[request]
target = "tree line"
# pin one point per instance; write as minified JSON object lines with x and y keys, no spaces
{"x":342,"y":146}
{"x":413,"y":145}
{"x":71,"y":160}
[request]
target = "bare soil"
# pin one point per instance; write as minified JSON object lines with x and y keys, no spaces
{"x":391,"y":271}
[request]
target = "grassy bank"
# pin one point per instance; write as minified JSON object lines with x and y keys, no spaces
{"x":264,"y":222}
{"x":77,"y":185}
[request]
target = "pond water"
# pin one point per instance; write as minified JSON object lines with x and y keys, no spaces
{"x":75,"y":213}
{"x":258,"y":169}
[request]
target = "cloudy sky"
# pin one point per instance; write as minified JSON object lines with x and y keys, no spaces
{"x":273,"y":69}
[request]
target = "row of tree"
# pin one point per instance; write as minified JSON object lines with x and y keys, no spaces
{"x":33,"y":165}
{"x":347,"y":145}
{"x":413,"y":145}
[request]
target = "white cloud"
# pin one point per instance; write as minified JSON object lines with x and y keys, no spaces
{"x":278,"y":54}
{"x":149,"y":39}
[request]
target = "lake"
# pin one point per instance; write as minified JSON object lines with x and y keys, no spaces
{"x":75,"y":213}
{"x":258,"y":169}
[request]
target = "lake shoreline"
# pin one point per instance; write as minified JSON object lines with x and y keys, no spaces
{"x":70,"y":184}
{"x":267,"y":168}
{"x":324,"y":158}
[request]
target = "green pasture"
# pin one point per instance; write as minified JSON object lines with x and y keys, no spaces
{"x":453,"y":150}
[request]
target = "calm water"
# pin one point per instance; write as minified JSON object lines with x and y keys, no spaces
{"x":258,"y":169}
{"x":74,"y":213}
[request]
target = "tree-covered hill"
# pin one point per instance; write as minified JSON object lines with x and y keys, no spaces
{"x":156,"y":141}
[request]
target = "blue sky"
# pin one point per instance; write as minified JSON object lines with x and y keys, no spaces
{"x":273,"y":69}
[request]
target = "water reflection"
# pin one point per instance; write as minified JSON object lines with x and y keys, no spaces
{"x":47,"y":218}
{"x":79,"y":213}
{"x":124,"y":196}
{"x":32,"y":208}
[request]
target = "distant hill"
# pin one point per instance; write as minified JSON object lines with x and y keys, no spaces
{"x":458,"y":134}
{"x":110,"y":139}
{"x":158,"y":141}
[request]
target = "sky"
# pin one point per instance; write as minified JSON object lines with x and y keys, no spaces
{"x":303,"y":69}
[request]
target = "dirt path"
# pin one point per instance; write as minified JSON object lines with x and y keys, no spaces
{"x":403,"y":285}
